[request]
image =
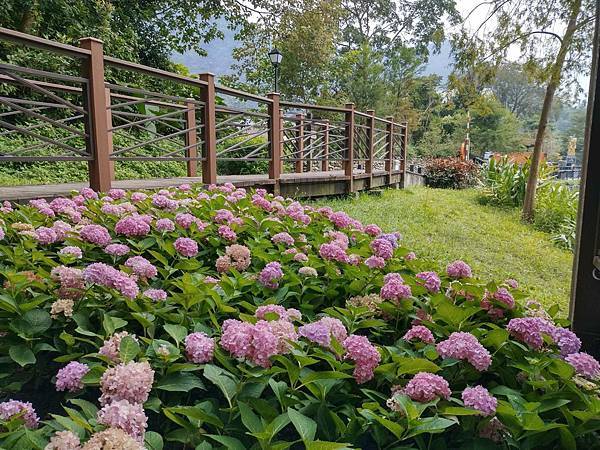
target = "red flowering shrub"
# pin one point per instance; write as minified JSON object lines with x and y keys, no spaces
{"x":451,"y":173}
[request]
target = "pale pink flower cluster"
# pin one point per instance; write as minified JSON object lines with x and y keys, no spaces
{"x":163,"y":202}
{"x":371,"y":302}
{"x":258,"y":342}
{"x":511,"y":283}
{"x":136,"y":225}
{"x":95,"y":234}
{"x":321,"y":331}
{"x":430,"y":281}
{"x":186,"y":247}
{"x":107,"y":276}
{"x":332,"y":252}
{"x":155,"y":294}
{"x":585,"y":365}
{"x":45,"y":235}
{"x":164,"y":225}
{"x":365,"y":356}
{"x":420,"y":333}
{"x":199,"y":348}
{"x":530,"y":330}
{"x":340,"y":219}
{"x":71,"y":281}
{"x":131,"y":381}
{"x":375,"y":262}
{"x":394,"y":288}
{"x":281,"y":312}
{"x":307,"y":271}
{"x":261,"y":202}
{"x":116,"y":249}
{"x":69,"y":378}
{"x":141,"y":267}
{"x":425,"y":387}
{"x":567,"y":341}
{"x":117,"y":193}
{"x":71,"y":250}
{"x":459,"y":269}
{"x":110,"y":347}
{"x":283,"y":238}
{"x":372,"y":230}
{"x":465,"y":346}
{"x":297,"y":212}
{"x":503,"y":296}
{"x":480,"y":399}
{"x":64,"y":440}
{"x":129,"y":417}
{"x":227,"y":233}
{"x":185,"y":220}
{"x":42,"y":206}
{"x":410,"y":256}
{"x":223,"y":216}
{"x":24,"y":410}
{"x":137,"y":197}
{"x":270,"y":275}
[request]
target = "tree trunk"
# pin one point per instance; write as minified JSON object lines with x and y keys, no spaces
{"x":553,"y":83}
{"x":28,"y":18}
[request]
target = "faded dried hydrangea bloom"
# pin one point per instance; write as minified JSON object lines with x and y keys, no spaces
{"x":307,"y":271}
{"x":25,"y":410}
{"x":62,"y":306}
{"x":126,"y":416}
{"x":465,"y":346}
{"x":199,"y":348}
{"x":71,"y":281}
{"x":365,"y":356}
{"x":63,"y":440}
{"x":69,"y":378}
{"x":131,"y":382}
{"x":480,"y":399}
{"x":533,"y":308}
{"x":493,"y":430}
{"x":458,"y":269}
{"x":110,"y":348}
{"x":420,"y":333}
{"x":370,"y":301}
{"x":425,"y":387}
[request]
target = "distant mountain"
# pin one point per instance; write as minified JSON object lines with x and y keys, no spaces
{"x":219,"y":59}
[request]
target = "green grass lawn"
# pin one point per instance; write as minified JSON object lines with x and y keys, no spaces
{"x":444,"y":225}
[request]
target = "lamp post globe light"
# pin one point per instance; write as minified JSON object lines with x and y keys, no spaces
{"x":275,"y":56}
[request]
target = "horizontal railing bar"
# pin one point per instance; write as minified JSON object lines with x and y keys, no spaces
{"x":121,"y":114}
{"x":15,"y":113}
{"x":151,"y":94}
{"x":225,"y":110}
{"x":42,"y":125}
{"x":54,"y":86}
{"x":237,"y":93}
{"x":147,"y":120}
{"x":266,"y":158}
{"x":40,"y":145}
{"x":249,"y":137}
{"x":308,"y":106}
{"x":161,"y":138}
{"x":237,"y":133}
{"x":44,"y":44}
{"x":157,"y":158}
{"x":34,"y":103}
{"x":137,"y":100}
{"x":41,"y":73}
{"x":44,"y":158}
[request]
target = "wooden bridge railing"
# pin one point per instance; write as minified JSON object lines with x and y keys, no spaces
{"x":86,"y":117}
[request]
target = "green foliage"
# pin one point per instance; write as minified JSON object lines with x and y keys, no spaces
{"x":451,"y":173}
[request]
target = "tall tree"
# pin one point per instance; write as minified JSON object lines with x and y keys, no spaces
{"x":515,"y":89}
{"x":554,"y":35}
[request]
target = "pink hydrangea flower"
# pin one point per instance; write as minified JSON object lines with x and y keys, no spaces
{"x":503,"y":296}
{"x":131,"y":381}
{"x":136,"y":225}
{"x":530,"y":330}
{"x":71,"y":250}
{"x":372,"y":230}
{"x":223,"y":216}
{"x":163,"y":202}
{"x":110,"y":347}
{"x":46,"y":236}
{"x":256,"y":343}
{"x":283,"y":238}
{"x":365,"y":356}
{"x":465,"y":346}
{"x":116,"y":249}
{"x":584,"y":364}
{"x":421,"y":333}
{"x":459,"y":269}
{"x":186,"y":247}
{"x":95,"y":234}
{"x":375,"y":262}
{"x":12,"y":408}
{"x":480,"y":399}
{"x":117,"y":193}
{"x":137,"y":197}
{"x":155,"y":294}
{"x":141,"y":267}
{"x":430,"y":281}
{"x":165,"y":225}
{"x":567,"y":341}
{"x":69,"y":378}
{"x":64,"y":440}
{"x":300,"y":257}
{"x":88,"y":193}
{"x":71,"y":281}
{"x":281,"y":312}
{"x":410,"y":256}
{"x":185,"y":220}
{"x":227,"y":233}
{"x":199,"y":348}
{"x":425,"y":387}
{"x":126,"y":416}
{"x":394,"y":288}
{"x":270,"y":275}
{"x":340,"y":219}
{"x":382,"y":248}
{"x":332,"y":252}
{"x":105,"y":275}
{"x":321,"y":331}
{"x":513,"y":284}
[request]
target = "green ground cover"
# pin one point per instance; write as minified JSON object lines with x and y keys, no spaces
{"x":445,"y":225}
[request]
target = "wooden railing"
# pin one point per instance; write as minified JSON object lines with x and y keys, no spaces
{"x":85,"y":117}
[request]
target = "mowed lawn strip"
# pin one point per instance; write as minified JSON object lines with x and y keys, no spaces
{"x":445,"y":225}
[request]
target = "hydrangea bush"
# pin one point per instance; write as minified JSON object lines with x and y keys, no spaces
{"x":226,"y":319}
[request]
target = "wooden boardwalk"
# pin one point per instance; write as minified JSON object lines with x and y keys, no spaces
{"x":307,"y":184}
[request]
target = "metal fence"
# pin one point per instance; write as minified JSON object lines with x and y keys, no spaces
{"x":62,"y":117}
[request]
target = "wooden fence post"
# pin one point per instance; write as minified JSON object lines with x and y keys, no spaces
{"x":389,"y":161}
{"x":299,"y":164}
{"x":275,"y":139}
{"x":404,"y":153}
{"x":98,"y":139}
{"x":207,"y":96}
{"x":109,"y":125}
{"x":191,"y":139}
{"x":349,"y":161}
{"x":325,"y":162}
{"x":370,"y":142}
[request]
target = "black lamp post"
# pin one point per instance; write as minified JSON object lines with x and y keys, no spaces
{"x":275,"y":56}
